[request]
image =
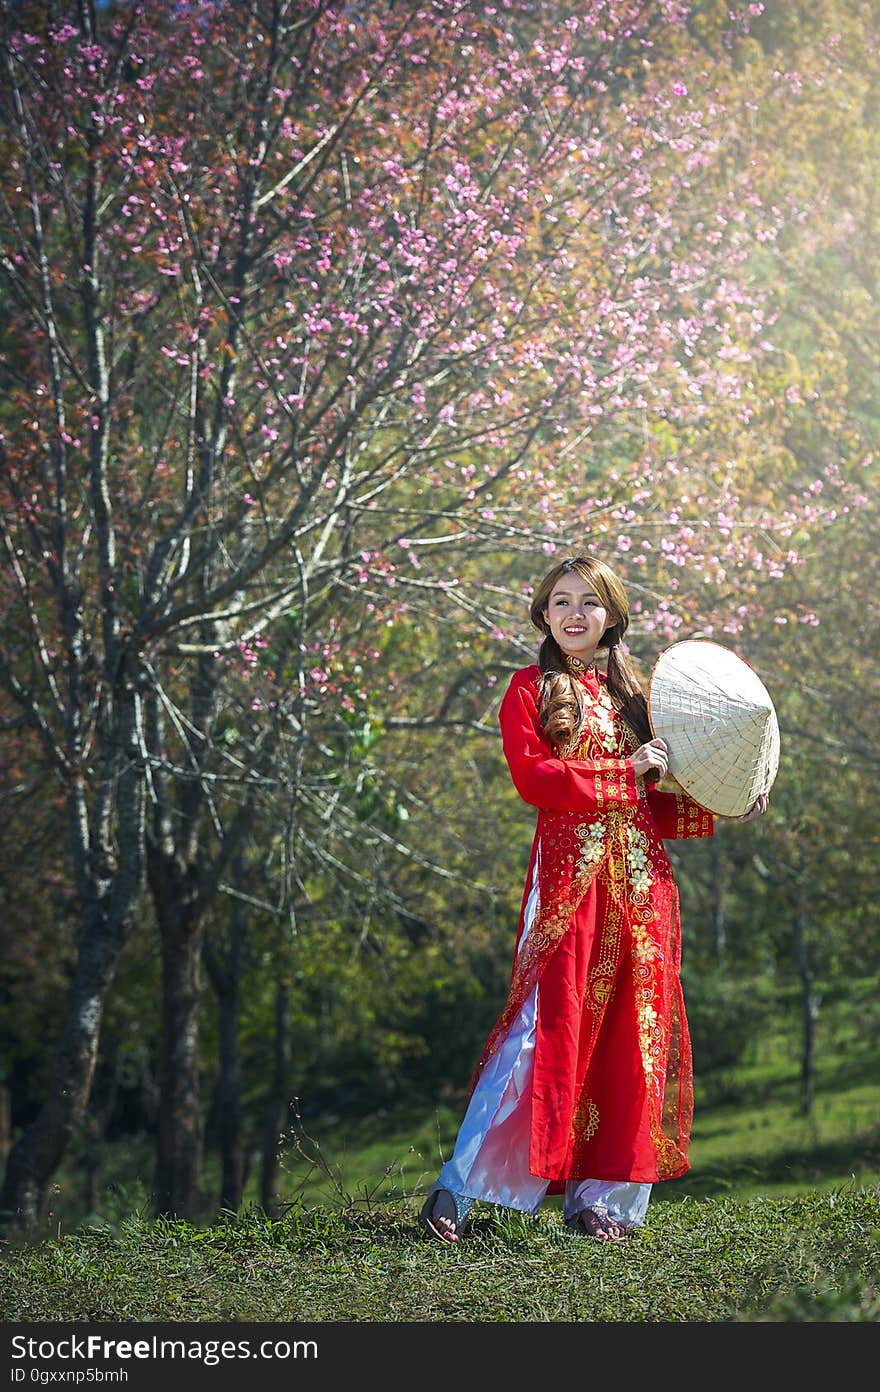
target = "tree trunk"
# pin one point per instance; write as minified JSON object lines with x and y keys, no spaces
{"x":5,"y":1119}
{"x":809,"y":1009}
{"x":92,"y":1139}
{"x":719,"y":904}
{"x":183,"y":882}
{"x":225,"y":973}
{"x":179,"y":1133}
{"x":229,"y":1100}
{"x":110,"y":879}
{"x":37,"y":1153}
{"x":279,"y":1102}
{"x":182,"y":886}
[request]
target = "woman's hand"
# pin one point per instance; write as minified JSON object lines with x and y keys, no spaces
{"x":757,"y":809}
{"x":653,"y":755}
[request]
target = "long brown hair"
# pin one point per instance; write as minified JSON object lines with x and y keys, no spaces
{"x":562,"y":707}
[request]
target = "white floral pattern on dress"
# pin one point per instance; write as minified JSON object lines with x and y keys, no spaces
{"x":605,"y":726}
{"x":592,"y":838}
{"x":637,"y":862}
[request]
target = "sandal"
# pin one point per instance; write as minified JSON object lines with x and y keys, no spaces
{"x":463,"y":1206}
{"x":590,"y":1223}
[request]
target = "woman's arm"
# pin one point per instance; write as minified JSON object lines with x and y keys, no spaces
{"x":543,"y":779}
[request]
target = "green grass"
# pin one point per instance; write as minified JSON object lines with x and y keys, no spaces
{"x":812,"y":1257}
{"x":778,"y":1219}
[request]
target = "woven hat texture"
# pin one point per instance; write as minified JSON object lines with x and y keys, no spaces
{"x":719,"y":724}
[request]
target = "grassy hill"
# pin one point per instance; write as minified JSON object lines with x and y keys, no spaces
{"x":813,"y":1257}
{"x":778,"y":1219}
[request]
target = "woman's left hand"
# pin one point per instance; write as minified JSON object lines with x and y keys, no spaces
{"x":757,"y":809}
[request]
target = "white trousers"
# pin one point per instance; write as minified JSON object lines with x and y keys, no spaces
{"x":491,"y":1156}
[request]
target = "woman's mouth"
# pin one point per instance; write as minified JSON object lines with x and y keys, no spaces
{"x":575,"y":631}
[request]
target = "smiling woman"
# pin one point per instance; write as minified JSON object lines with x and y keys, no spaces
{"x":584,"y":1087}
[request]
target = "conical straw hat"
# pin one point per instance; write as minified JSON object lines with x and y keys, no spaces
{"x":718,"y":721}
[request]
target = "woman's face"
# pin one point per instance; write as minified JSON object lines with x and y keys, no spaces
{"x":576,"y":616}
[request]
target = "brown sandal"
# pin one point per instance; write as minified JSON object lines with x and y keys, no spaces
{"x":463,"y":1207}
{"x":592,"y":1224}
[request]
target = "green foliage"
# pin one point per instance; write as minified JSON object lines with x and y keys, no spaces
{"x":725,"y":1014}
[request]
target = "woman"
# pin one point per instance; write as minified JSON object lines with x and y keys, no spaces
{"x":585,"y":1085}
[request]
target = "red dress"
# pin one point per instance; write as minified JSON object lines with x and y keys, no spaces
{"x":613,"y":1084}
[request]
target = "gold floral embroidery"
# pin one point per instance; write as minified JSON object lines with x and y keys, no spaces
{"x":691,"y":818}
{"x":647,"y":959}
{"x":604,"y":732}
{"x":650,"y":1035}
{"x":585,"y":1122}
{"x":671,"y":1161}
{"x":601,"y":985}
